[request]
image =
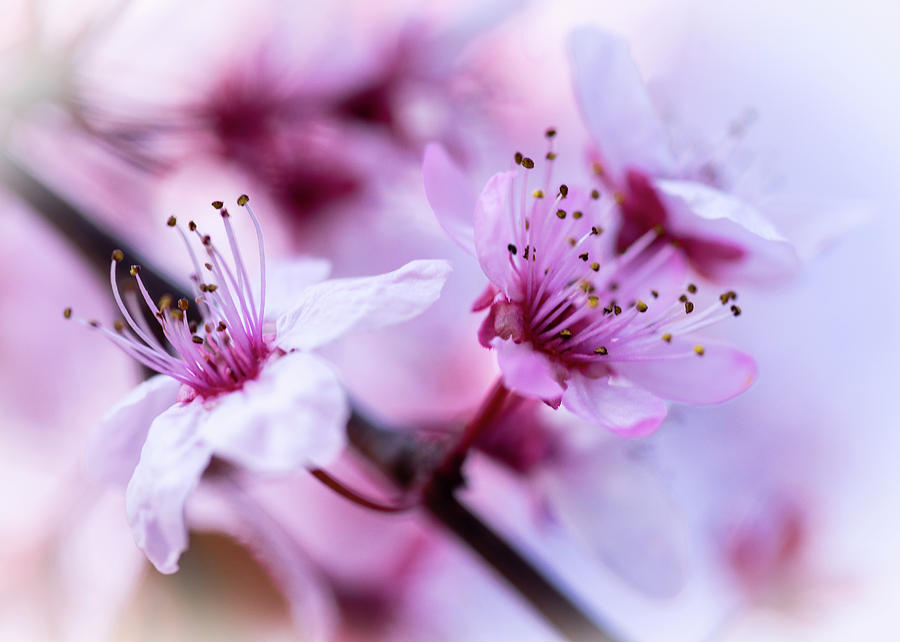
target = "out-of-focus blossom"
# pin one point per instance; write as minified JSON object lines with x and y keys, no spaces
{"x":609,"y":335}
{"x":724,"y":238}
{"x":632,"y":525}
{"x":240,"y":388}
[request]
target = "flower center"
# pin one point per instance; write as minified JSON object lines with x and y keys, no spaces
{"x":223,"y":345}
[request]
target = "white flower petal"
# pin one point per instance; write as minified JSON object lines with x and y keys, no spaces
{"x":286,"y":281}
{"x":618,"y":407}
{"x":293,"y":415}
{"x":172,"y":461}
{"x":114,"y":448}
{"x":328,"y":310}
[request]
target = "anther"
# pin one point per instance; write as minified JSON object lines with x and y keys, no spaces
{"x":699,"y":350}
{"x":583,"y":256}
{"x":596,"y":230}
{"x":735,"y":310}
{"x":598,"y":168}
{"x":192,"y":226}
{"x":171,"y":221}
{"x":565,"y":333}
{"x":208,"y":266}
{"x":683,"y":298}
{"x":550,"y":133}
{"x":654,"y":293}
{"x":224,"y":213}
{"x":692,"y":288}
{"x":207,"y":239}
{"x":617,"y":309}
{"x":564,"y":190}
{"x":211,"y":287}
{"x":196,"y":339}
{"x":134,"y":270}
{"x":527,"y":163}
{"x":222,"y":327}
{"x":512,"y":249}
{"x":94,"y":323}
{"x":243,"y":199}
{"x":601,"y":350}
{"x":577,"y":215}
{"x":165,"y":302}
{"x":595,"y":194}
{"x":641,"y":306}
{"x":67,"y":313}
{"x":595,"y":266}
{"x":560,"y":214}
{"x":218,"y":204}
{"x":667,"y":337}
{"x":518,"y":158}
{"x":593,"y":301}
{"x":183,"y":304}
{"x":192,"y":326}
{"x":117,"y":255}
{"x":688,"y":307}
{"x":538,"y":193}
{"x":551,"y":156}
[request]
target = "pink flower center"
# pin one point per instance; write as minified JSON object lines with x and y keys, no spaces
{"x":576,"y":297}
{"x":222,"y":350}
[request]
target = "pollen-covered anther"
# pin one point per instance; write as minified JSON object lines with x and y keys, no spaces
{"x":654,"y":294}
{"x":577,"y":215}
{"x":725,"y":297}
{"x":183,"y":304}
{"x":135,"y":270}
{"x":196,"y":339}
{"x":512,"y":249}
{"x":243,"y":199}
{"x":593,"y":301}
{"x":641,"y":306}
{"x":560,"y":214}
{"x":118,"y":326}
{"x":583,"y":256}
{"x":222,"y":327}
{"x":211,"y":287}
{"x":683,"y":298}
{"x":601,"y":350}
{"x":218,"y":204}
{"x":550,"y":156}
{"x":596,"y":230}
{"x":688,"y":307}
{"x":518,"y":158}
{"x":208,"y":266}
{"x":118,"y":255}
{"x":165,"y":302}
{"x":192,"y":226}
{"x":699,"y":350}
{"x":617,"y":309}
{"x":595,"y":266}
{"x":538,"y":193}
{"x":565,"y":333}
{"x":736,"y":310}
{"x":527,"y":163}
{"x":550,"y":133}
{"x":692,"y":288}
{"x":595,"y":194}
{"x":667,"y":337}
{"x":171,"y":221}
{"x":67,"y":313}
{"x":563,"y":190}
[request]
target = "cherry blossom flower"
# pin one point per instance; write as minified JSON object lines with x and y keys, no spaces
{"x":240,"y":385}
{"x":608,"y":334}
{"x":724,"y":237}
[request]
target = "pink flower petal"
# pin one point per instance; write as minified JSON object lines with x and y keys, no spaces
{"x":618,"y":407}
{"x":494,"y":233}
{"x":633,"y":524}
{"x":727,"y":239}
{"x":172,"y":461}
{"x":293,"y":415}
{"x":114,"y":448}
{"x":616,"y":107}
{"x":451,"y":196}
{"x":332,"y":308}
{"x":680,"y":374}
{"x":526,"y":371}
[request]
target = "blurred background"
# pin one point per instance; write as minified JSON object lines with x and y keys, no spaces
{"x":771,"y":517}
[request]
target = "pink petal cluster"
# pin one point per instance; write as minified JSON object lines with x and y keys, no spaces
{"x":241,"y":385}
{"x":609,"y":335}
{"x":724,"y":238}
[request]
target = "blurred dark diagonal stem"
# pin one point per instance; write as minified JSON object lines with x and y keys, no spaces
{"x":398,"y":455}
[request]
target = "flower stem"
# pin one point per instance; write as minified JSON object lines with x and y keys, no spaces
{"x":450,"y":469}
{"x":348,"y":493}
